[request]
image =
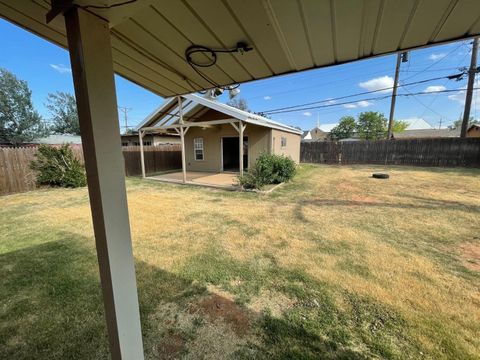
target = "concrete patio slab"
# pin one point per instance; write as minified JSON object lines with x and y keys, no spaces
{"x":226,"y":180}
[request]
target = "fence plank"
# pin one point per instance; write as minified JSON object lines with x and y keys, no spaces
{"x":16,"y":175}
{"x":418,"y":152}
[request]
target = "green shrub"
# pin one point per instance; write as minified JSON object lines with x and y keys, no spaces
{"x":268,"y":169}
{"x":58,"y":166}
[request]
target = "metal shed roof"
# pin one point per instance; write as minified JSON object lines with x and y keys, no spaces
{"x":167,"y":113}
{"x":149,"y":38}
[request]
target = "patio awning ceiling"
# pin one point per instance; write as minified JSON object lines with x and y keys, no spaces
{"x":149,"y":37}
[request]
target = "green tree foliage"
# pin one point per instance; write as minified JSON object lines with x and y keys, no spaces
{"x":63,"y":111}
{"x":458,"y":123}
{"x":58,"y":166}
{"x":399,"y":126}
{"x":345,"y":128}
{"x":268,"y":169}
{"x":371,"y":125}
{"x":19,"y":121}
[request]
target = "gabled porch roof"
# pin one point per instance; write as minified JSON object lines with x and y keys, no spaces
{"x":167,"y":115}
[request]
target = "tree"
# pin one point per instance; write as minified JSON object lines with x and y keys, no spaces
{"x":400,"y":126}
{"x":371,"y":125}
{"x":458,"y":123}
{"x":19,"y":121}
{"x":63,"y":111}
{"x":239,"y":103}
{"x":344,"y":129}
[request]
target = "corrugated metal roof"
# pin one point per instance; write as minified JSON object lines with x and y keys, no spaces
{"x":149,"y":38}
{"x":167,"y":113}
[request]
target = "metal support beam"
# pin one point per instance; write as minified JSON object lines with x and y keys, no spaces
{"x":142,"y":156}
{"x":91,"y":59}
{"x":182,"y":137}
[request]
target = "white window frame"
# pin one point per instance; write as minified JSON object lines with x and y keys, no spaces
{"x":282,"y":140}
{"x":195,"y":149}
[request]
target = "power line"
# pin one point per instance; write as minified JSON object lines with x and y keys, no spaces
{"x":450,"y":77}
{"x":366,"y":99}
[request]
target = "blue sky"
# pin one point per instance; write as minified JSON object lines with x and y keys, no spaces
{"x":46,"y":69}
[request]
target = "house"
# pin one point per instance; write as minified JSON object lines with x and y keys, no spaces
{"x":315,"y":134}
{"x":212,"y":132}
{"x":427,"y":133}
{"x":473,"y":130}
{"x":150,"y":139}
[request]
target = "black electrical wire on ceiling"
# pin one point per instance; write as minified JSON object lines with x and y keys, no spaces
{"x":211,"y":59}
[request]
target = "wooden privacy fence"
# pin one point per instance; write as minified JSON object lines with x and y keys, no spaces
{"x":16,"y":175}
{"x":157,"y":158}
{"x":420,"y":152}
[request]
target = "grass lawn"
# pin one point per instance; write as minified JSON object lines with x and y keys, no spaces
{"x":333,"y":265}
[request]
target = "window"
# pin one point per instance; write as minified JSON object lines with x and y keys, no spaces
{"x":284,"y":142}
{"x":198,"y":148}
{"x":147,"y":143}
{"x":124,"y":143}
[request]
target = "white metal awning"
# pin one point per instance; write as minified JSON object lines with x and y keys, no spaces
{"x":149,"y":37}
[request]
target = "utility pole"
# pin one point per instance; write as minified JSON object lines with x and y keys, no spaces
{"x":440,"y":124}
{"x":471,"y":81}
{"x":401,"y":57}
{"x":125,"y":110}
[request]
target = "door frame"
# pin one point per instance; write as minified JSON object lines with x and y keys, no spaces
{"x":221,"y":150}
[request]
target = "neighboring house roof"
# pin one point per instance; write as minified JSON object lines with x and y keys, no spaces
{"x":306,"y":135}
{"x":427,"y":133}
{"x":168,"y":113}
{"x":58,"y":139}
{"x":417,"y":124}
{"x":473,"y":126}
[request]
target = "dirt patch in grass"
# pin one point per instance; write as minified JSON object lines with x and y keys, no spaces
{"x":271,"y":301}
{"x":171,"y":346}
{"x":470,"y":255}
{"x":218,"y":307}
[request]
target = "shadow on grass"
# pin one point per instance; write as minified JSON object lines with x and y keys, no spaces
{"x":51,"y":308}
{"x":420,"y":203}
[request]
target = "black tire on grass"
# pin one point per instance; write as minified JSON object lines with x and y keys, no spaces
{"x":380,"y":176}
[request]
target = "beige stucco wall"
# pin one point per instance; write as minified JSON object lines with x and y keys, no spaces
{"x":293,"y":144}
{"x":258,"y":141}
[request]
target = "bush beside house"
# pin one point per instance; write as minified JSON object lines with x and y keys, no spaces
{"x":268,"y":169}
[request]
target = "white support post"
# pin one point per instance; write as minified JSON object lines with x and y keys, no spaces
{"x":91,"y":59}
{"x":240,"y":140}
{"x":182,"y":138}
{"x":142,"y":156}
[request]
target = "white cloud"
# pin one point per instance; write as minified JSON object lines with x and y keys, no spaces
{"x":383,"y":82}
{"x":434,"y":88}
{"x":62,"y":69}
{"x":307,"y":113}
{"x":330,"y":101}
{"x":361,"y":103}
{"x":460,"y":96}
{"x":437,"y":56}
{"x":364,"y":103}
{"x":267,"y":98}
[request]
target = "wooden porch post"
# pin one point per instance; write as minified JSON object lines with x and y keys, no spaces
{"x":182,"y":137}
{"x":240,"y":140}
{"x":142,"y":156}
{"x":91,"y":59}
